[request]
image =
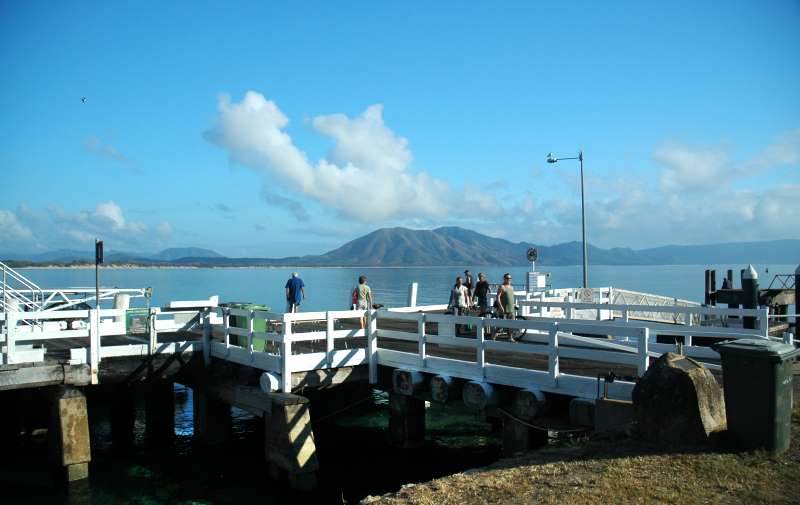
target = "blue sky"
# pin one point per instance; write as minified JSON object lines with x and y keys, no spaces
{"x":265,"y":129}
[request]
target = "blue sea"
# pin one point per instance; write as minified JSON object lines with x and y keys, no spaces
{"x":330,"y":288}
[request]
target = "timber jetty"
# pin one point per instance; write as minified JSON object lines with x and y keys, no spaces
{"x":577,"y":350}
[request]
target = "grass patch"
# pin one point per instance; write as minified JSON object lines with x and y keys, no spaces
{"x":619,"y":471}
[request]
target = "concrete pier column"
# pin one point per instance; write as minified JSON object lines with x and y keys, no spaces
{"x":518,"y":435}
{"x":289,"y":446}
{"x":123,"y":419}
{"x":749,"y":295}
{"x":159,"y":411}
{"x":406,"y":421}
{"x":69,"y":433}
{"x":212,"y":418}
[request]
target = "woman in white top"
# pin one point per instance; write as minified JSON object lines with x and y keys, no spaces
{"x":459,"y":297}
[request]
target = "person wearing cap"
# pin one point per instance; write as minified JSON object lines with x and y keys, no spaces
{"x":468,"y":282}
{"x":295,"y":292}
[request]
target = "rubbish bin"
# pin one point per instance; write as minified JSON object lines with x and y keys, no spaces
{"x":757,"y":377}
{"x":241,"y":322}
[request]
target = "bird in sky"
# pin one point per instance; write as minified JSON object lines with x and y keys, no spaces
{"x":83,"y":99}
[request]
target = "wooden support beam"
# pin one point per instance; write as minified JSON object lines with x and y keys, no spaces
{"x":518,"y":436}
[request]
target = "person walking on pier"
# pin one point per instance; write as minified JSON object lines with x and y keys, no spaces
{"x":295,"y":292}
{"x":505,"y":298}
{"x":363,"y":297}
{"x":468,"y":282}
{"x":482,"y":293}
{"x":459,"y":297}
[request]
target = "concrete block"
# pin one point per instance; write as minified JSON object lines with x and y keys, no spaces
{"x":612,"y":415}
{"x":582,"y":412}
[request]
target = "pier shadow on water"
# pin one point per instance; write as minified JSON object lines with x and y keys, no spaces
{"x":354,"y":454}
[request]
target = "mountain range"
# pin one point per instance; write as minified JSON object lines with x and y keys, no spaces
{"x":451,"y":246}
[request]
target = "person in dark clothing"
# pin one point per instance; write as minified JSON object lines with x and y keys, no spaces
{"x":482,"y":293}
{"x":295,"y":292}
{"x":468,"y":282}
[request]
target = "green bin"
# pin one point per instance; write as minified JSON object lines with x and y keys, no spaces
{"x":241,"y":322}
{"x":757,"y":377}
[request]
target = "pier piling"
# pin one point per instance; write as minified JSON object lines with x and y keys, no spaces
{"x":518,"y":435}
{"x":123,"y":419}
{"x":69,"y":432}
{"x":406,"y":421}
{"x":289,"y":441}
{"x":749,"y":295}
{"x":160,"y":413}
{"x":212,"y":417}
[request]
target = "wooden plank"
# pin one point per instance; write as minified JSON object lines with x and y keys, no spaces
{"x":321,"y":379}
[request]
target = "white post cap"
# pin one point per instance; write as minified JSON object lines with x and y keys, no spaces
{"x":750,"y":273}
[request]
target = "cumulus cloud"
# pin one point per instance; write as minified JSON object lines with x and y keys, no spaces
{"x":11,"y":230}
{"x":95,"y":146}
{"x":686,"y":169}
{"x":53,"y":227}
{"x":365,"y":177}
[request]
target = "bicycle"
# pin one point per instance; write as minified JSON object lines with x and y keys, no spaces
{"x":513,"y":334}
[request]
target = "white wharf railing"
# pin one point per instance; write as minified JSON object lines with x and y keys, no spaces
{"x":282,"y":344}
{"x":18,"y":342}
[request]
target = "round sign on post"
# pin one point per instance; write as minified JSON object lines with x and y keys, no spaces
{"x":533,"y":254}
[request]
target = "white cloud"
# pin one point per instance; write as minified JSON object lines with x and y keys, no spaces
{"x":12,"y":231}
{"x":53,"y":228}
{"x":366,"y":176}
{"x":692,"y":170}
{"x":95,"y":146}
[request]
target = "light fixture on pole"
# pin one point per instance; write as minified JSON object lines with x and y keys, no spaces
{"x":552,"y":159}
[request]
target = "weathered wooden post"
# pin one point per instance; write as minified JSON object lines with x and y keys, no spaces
{"x":69,"y":432}
{"x":160,"y":413}
{"x":406,"y":421}
{"x":707,"y":287}
{"x":518,"y":434}
{"x":749,"y":295}
{"x":445,"y":388}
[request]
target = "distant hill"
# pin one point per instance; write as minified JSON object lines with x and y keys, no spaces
{"x":454,"y":246}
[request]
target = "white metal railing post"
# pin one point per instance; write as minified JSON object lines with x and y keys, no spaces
{"x":372,"y":346}
{"x":552,"y":361}
{"x":421,"y":337}
{"x":251,"y":325}
{"x":94,"y":345}
{"x":207,"y":336}
{"x":480,"y":348}
{"x":644,"y":354}
{"x":226,"y":325}
{"x":11,"y":330}
{"x":286,"y":354}
{"x":152,"y":333}
{"x":329,"y":339}
{"x":788,"y":338}
{"x":763,"y":321}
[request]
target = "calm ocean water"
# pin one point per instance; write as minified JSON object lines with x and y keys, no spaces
{"x":329,"y":288}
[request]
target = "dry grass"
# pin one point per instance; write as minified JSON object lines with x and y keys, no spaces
{"x":620,"y":471}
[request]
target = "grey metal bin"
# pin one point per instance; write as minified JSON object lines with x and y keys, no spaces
{"x":757,"y":377}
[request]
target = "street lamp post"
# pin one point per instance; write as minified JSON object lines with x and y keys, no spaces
{"x":553,"y":159}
